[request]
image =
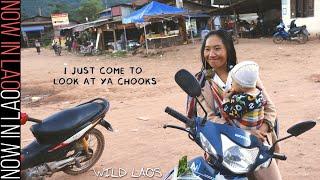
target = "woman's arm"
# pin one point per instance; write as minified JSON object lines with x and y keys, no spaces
{"x":269,"y":108}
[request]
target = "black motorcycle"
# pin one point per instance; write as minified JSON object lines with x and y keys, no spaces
{"x":295,"y":33}
{"x":57,"y":49}
{"x":234,"y":36}
{"x":66,"y":141}
{"x":294,"y":28}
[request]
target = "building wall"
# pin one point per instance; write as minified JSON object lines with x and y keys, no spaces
{"x":125,"y":11}
{"x":312,"y":23}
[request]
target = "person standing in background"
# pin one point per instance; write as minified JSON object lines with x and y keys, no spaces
{"x":37,"y":45}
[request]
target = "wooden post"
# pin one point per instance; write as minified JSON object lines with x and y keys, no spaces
{"x":182,"y":25}
{"x":145,"y":36}
{"x":235,"y":27}
{"x":115,"y":39}
{"x":125,"y":37}
{"x":101,"y":43}
{"x":191,"y":33}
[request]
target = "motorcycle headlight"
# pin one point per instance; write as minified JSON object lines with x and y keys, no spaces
{"x":236,"y":158}
{"x":207,"y":147}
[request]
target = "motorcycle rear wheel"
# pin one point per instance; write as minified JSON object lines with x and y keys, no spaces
{"x":278,"y":39}
{"x":94,"y":138}
{"x":95,"y":52}
{"x":235,"y":39}
{"x":302,"y":38}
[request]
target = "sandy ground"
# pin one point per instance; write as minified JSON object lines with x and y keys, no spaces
{"x":289,"y":71}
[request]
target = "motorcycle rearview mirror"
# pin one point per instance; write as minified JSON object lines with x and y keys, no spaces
{"x":300,"y":128}
{"x":295,"y":130}
{"x":188,"y":83}
{"x":191,"y":86}
{"x":24,"y":118}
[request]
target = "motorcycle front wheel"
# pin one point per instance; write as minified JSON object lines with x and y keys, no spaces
{"x":96,"y":145}
{"x":277,"y":39}
{"x":302,"y":38}
{"x":59,"y":51}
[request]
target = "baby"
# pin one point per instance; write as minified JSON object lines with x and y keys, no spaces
{"x":244,"y":103}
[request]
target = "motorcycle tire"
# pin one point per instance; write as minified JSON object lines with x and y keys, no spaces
{"x":302,"y":38}
{"x":88,"y":163}
{"x":95,"y":52}
{"x":278,"y":39}
{"x":235,"y":40}
{"x":59,"y":51}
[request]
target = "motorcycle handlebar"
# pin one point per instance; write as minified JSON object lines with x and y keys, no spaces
{"x":279,"y":156}
{"x":177,"y":115}
{"x":34,"y":120}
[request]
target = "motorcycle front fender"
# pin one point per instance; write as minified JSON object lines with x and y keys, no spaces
{"x":276,"y":34}
{"x":202,"y":169}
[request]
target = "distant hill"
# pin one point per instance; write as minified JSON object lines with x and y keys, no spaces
{"x":110,"y":3}
{"x":31,"y":8}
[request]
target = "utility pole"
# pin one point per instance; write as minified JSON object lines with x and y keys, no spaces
{"x":235,"y":28}
{"x":105,"y":4}
{"x":40,"y":11}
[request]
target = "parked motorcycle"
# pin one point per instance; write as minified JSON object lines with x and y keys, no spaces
{"x":66,"y":141}
{"x":299,"y":34}
{"x":234,"y":37}
{"x":90,"y":49}
{"x":57,"y":48}
{"x":233,"y":152}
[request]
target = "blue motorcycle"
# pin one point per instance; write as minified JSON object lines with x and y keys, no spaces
{"x":233,"y":152}
{"x":299,"y":34}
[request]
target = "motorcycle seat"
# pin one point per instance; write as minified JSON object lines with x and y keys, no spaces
{"x":65,"y":123}
{"x":295,"y":29}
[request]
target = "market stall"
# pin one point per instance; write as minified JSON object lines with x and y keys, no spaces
{"x":162,"y":39}
{"x":156,"y":12}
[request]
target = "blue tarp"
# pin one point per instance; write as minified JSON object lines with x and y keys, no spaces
{"x":32,"y":28}
{"x":151,"y":9}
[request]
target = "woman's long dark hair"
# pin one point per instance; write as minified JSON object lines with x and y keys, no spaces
{"x":227,"y":42}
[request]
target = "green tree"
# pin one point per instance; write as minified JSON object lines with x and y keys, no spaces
{"x":62,"y":8}
{"x":89,"y":9}
{"x":24,"y":15}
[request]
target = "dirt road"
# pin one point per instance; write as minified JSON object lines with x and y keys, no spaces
{"x":290,"y":73}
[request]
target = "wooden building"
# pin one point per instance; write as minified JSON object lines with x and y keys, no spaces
{"x":40,"y":28}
